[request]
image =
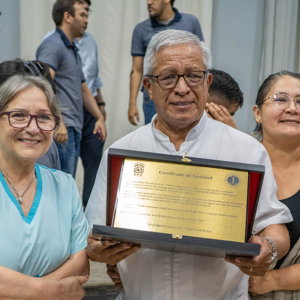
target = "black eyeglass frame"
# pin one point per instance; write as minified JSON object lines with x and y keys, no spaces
{"x":178,"y":76}
{"x":8,"y":113}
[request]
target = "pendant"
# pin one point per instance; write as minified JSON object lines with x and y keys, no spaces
{"x":20,"y":199}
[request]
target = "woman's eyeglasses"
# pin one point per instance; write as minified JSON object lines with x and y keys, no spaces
{"x":18,"y":119}
{"x":283,"y":100}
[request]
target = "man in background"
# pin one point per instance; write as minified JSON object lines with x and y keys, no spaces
{"x":90,"y":147}
{"x":60,"y":53}
{"x":225,"y":97}
{"x":162,"y":16}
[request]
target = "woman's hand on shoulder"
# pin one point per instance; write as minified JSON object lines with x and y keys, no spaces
{"x":108,"y":251}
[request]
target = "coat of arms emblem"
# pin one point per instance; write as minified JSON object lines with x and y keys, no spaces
{"x":138,"y":169}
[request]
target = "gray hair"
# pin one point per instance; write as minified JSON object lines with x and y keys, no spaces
{"x":173,"y":37}
{"x":18,"y":83}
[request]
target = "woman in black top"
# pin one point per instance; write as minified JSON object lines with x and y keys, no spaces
{"x":277,"y":113}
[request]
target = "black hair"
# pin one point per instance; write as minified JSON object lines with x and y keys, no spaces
{"x":19,"y":67}
{"x":172,"y":2}
{"x":263,"y":91}
{"x":268,"y":83}
{"x":223,"y":85}
{"x":62,"y":6}
{"x":89,"y":2}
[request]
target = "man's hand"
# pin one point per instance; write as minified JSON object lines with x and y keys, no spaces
{"x":133,"y":115}
{"x":262,"y":285}
{"x":219,"y":113}
{"x":61,"y":134}
{"x":113,"y":273}
{"x":100,"y":129}
{"x":70,"y":288}
{"x":108,"y":251}
{"x":258,"y":265}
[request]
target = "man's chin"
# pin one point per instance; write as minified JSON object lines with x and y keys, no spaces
{"x":153,"y":16}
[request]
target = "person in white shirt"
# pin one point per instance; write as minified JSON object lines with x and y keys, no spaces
{"x":176,"y":76}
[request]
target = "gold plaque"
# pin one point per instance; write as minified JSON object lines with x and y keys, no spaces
{"x":182,"y":200}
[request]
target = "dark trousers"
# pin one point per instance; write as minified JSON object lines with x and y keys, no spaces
{"x":91,"y":153}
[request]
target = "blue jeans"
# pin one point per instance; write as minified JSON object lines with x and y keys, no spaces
{"x":149,"y":109}
{"x":69,"y":151}
{"x":91,"y":153}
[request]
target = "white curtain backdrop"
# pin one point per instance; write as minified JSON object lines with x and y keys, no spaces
{"x":281,"y":37}
{"x":111,"y":23}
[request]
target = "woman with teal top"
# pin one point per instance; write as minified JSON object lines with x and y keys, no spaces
{"x":43,"y":229}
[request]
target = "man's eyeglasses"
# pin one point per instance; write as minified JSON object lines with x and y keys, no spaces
{"x":283,"y":100}
{"x":45,"y":122}
{"x":169,"y":81}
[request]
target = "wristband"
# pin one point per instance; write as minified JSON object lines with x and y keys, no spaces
{"x":101,"y":103}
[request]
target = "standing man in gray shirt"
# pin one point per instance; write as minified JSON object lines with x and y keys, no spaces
{"x":60,"y":53}
{"x":162,"y":16}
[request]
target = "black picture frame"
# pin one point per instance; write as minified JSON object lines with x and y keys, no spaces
{"x":167,"y":242}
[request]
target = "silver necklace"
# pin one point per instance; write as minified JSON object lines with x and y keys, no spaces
{"x":20,"y":199}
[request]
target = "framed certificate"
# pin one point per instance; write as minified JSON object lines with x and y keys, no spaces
{"x":181,"y":204}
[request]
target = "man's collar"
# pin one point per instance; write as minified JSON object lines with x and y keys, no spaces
{"x":176,"y":18}
{"x":192,"y":135}
{"x":64,"y":37}
{"x":66,"y":41}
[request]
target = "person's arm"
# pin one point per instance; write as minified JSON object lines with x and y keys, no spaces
{"x":52,"y":73}
{"x":259,"y":265}
{"x":14,"y":285}
{"x":114,"y":275}
{"x":287,"y":279}
{"x":219,"y":113}
{"x":99,"y":99}
{"x":76,"y":265}
{"x":97,"y":84}
{"x":136,"y":76}
{"x":197,"y":29}
{"x":91,"y":105}
{"x":61,"y":133}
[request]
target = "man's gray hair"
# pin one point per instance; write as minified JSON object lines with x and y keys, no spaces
{"x":18,"y":83}
{"x":173,"y":37}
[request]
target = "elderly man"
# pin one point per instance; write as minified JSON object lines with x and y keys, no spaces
{"x":176,"y":77}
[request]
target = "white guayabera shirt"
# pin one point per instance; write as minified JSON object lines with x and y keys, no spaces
{"x":151,"y":274}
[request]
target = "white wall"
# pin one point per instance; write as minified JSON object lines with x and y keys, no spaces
{"x":112,"y":23}
{"x":9,"y":29}
{"x":237,"y":38}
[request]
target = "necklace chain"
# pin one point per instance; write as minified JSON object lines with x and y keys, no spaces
{"x":20,"y":199}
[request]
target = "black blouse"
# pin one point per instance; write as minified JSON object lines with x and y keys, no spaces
{"x":293,"y":203}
